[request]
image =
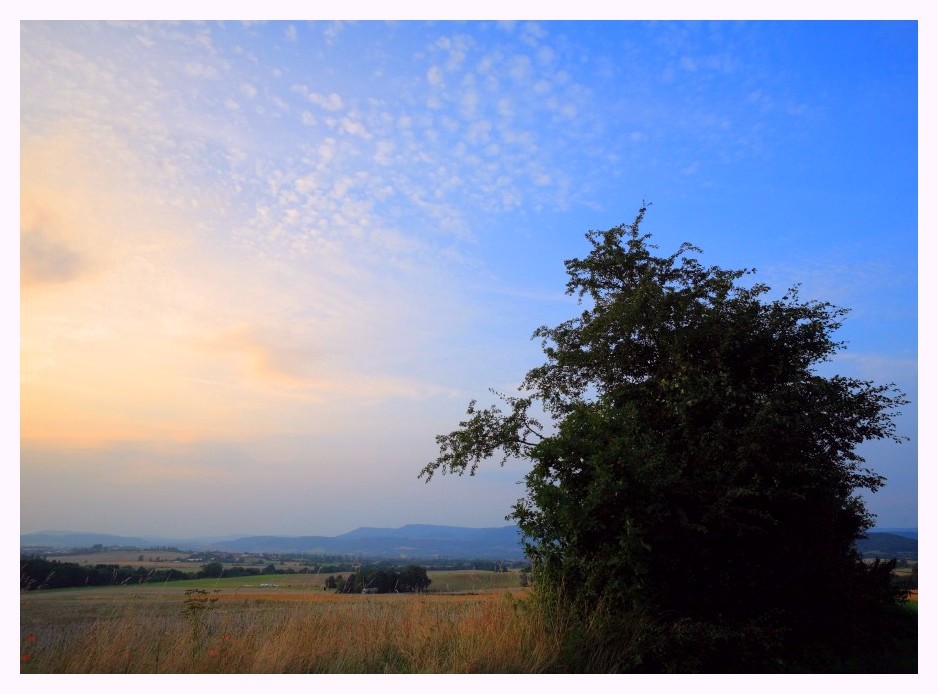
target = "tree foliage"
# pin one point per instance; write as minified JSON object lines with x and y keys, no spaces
{"x":212,"y":570}
{"x":697,"y":467}
{"x":411,"y":579}
{"x":37,"y":573}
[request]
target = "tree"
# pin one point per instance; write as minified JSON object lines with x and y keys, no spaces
{"x":413,"y":579}
{"x":698,"y":469}
{"x":211,"y":570}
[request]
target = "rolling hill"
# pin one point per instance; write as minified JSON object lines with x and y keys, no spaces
{"x":408,"y":541}
{"x":413,"y":541}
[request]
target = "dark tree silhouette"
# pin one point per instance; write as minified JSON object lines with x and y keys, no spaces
{"x":699,"y":471}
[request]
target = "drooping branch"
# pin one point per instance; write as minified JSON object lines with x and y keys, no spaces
{"x":482,"y":435}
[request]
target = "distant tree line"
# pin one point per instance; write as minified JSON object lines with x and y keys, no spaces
{"x":36,"y":572}
{"x":39,"y":573}
{"x":412,"y":579}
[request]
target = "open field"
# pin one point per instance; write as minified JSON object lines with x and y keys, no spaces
{"x":474,"y":622}
{"x":472,"y":581}
{"x":905,"y":571}
{"x":268,"y":587}
{"x":157,"y":559}
{"x":285,"y":625}
{"x":455,"y":581}
{"x":151,"y":560}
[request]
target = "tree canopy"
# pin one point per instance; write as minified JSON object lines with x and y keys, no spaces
{"x":411,"y":579}
{"x":694,"y":465}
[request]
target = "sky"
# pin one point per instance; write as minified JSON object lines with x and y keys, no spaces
{"x":263,"y":265}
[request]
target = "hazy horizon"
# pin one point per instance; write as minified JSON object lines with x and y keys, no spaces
{"x":264,"y":264}
{"x":235,"y":535}
{"x":150,"y":535}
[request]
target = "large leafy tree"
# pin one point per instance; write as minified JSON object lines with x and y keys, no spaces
{"x":696,"y":466}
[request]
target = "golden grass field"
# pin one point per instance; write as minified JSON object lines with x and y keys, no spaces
{"x":285,"y":624}
{"x":469,"y":622}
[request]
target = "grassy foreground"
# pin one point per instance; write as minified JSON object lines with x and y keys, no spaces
{"x":247,"y":627}
{"x":484,"y":623}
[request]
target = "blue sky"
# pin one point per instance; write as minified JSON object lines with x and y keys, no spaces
{"x":263,"y":265}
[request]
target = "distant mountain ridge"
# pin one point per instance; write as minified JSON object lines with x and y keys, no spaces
{"x":911,"y":533}
{"x":429,"y":541}
{"x":409,"y":541}
{"x":889,"y":545}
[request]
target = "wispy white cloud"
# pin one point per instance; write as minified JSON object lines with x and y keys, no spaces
{"x":520,"y":68}
{"x":332,"y":30}
{"x":200,"y":70}
{"x":329,"y":102}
